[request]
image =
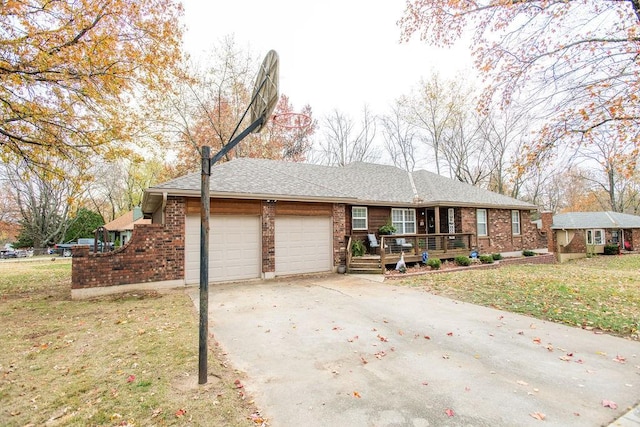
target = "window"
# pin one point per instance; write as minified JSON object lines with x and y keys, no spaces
{"x":615,"y":239}
{"x":359,"y":218}
{"x":481,"y":221}
{"x":595,"y":237}
{"x":515,"y":222}
{"x":404,"y":220}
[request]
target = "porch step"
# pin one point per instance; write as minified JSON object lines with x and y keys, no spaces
{"x":365,"y":266}
{"x":365,"y":271}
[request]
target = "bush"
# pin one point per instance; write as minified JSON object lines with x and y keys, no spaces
{"x":462,"y":260}
{"x":527,"y":252}
{"x":496,"y":257}
{"x":358,"y":248}
{"x":611,"y":250}
{"x":434,"y":263}
{"x":486,"y":259}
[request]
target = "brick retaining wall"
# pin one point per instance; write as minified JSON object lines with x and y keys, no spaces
{"x":155,"y":253}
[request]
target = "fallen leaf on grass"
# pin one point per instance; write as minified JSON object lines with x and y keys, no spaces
{"x":238,"y":384}
{"x":156,"y":412}
{"x":449,"y":412}
{"x":538,"y":415}
{"x":131,"y":378}
{"x":180,"y":412}
{"x":609,"y":404}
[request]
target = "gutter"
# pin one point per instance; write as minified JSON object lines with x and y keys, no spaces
{"x":164,"y":206}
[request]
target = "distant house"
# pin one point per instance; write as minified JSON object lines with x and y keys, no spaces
{"x":575,"y":234}
{"x":121,"y":228}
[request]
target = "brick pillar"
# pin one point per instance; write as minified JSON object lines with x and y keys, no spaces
{"x":268,"y":238}
{"x":339,"y":234}
{"x":547,"y":221}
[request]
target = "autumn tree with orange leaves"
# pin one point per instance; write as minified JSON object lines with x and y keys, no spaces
{"x":69,"y":72}
{"x":576,"y":61}
{"x":209,"y":109}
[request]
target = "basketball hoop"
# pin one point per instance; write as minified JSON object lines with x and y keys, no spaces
{"x":292,"y":120}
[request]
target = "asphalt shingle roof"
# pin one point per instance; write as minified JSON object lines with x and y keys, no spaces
{"x":355,"y":183}
{"x":584,"y":220}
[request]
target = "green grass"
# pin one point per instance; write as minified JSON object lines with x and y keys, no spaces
{"x":601,"y":293}
{"x":130,"y":359}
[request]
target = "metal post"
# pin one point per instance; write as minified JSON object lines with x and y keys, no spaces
{"x":204,"y":265}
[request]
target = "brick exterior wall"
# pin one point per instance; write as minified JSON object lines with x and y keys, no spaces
{"x":155,"y":253}
{"x":339,"y":234}
{"x":500,"y":235}
{"x":268,"y":236}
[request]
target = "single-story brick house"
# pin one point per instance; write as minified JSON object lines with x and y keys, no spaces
{"x":575,"y":234}
{"x":271,"y":218}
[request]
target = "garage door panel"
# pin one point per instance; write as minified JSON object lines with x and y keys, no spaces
{"x":234,"y":248}
{"x":303,"y":244}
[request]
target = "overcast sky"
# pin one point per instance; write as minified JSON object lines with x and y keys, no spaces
{"x":334,"y":54}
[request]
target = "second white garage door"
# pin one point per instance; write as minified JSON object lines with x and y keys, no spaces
{"x":303,"y":244}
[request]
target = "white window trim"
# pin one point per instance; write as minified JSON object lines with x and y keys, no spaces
{"x":515,"y":214}
{"x":404,"y":220}
{"x":486,"y":222}
{"x":366,"y":218}
{"x":592,"y":241}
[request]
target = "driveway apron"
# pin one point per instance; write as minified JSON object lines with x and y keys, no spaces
{"x":346,"y":351}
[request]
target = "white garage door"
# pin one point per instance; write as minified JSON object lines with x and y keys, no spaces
{"x":303,"y":244}
{"x":235,"y":247}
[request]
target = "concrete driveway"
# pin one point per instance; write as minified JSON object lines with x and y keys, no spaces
{"x":347,"y":351}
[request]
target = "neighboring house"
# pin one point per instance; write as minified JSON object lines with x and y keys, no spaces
{"x":273,"y":218}
{"x":575,"y":234}
{"x":121,"y":228}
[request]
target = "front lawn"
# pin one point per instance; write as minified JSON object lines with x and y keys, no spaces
{"x":601,"y":293}
{"x":123,"y":360}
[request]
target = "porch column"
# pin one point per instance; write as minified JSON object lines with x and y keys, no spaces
{"x":436,"y":218}
{"x":268,"y":239}
{"x":339,"y":231}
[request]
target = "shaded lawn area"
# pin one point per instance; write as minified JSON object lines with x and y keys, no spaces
{"x":130,"y":359}
{"x":601,"y":293}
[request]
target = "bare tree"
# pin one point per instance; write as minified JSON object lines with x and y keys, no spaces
{"x":433,"y":111}
{"x":611,"y":166}
{"x":44,"y":200}
{"x":345,"y":143}
{"x":399,"y":136}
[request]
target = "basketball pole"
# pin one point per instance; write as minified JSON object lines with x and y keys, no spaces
{"x":204,"y":264}
{"x":263,"y":101}
{"x":205,"y":209}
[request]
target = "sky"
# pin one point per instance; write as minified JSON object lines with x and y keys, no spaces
{"x":334,"y":54}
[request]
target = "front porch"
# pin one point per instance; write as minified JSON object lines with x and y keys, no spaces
{"x":390,"y":249}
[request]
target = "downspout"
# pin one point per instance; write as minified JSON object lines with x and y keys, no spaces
{"x":164,"y":207}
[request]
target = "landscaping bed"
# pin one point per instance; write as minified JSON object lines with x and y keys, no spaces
{"x":449,"y":266}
